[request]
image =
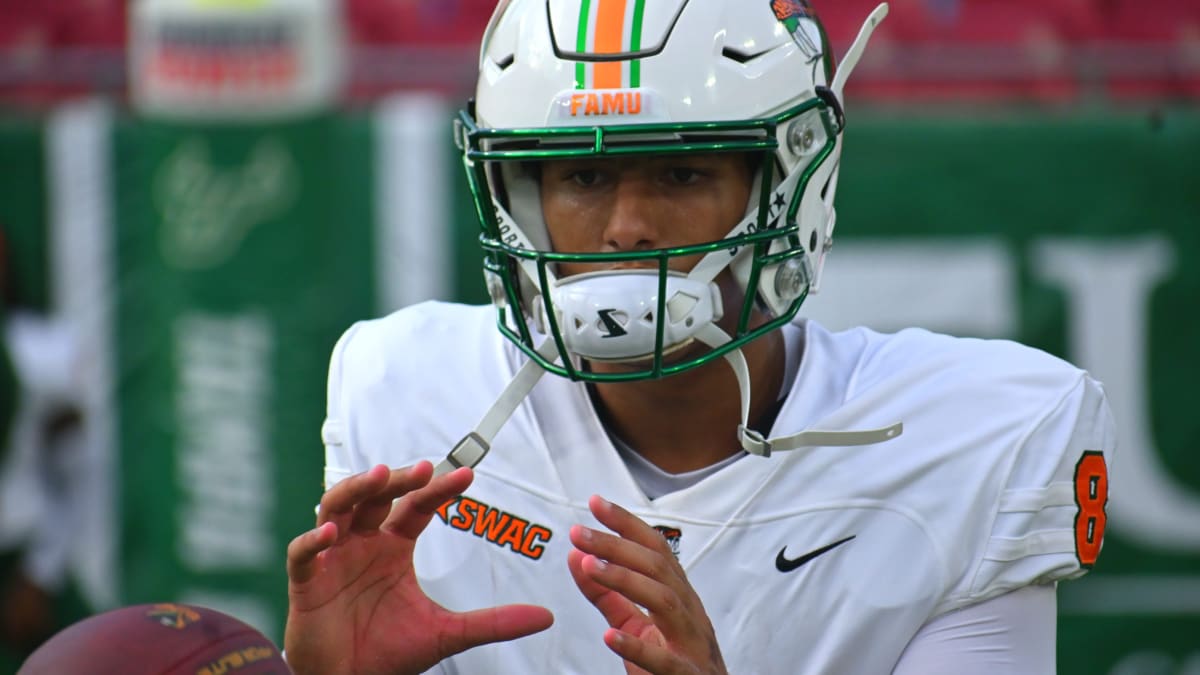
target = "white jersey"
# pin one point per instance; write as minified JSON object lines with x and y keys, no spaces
{"x":818,"y":560}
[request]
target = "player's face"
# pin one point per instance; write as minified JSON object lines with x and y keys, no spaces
{"x":643,"y":203}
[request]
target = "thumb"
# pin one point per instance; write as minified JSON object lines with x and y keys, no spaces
{"x":495,"y":624}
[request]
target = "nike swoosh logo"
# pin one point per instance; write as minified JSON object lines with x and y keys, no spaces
{"x":785,"y":564}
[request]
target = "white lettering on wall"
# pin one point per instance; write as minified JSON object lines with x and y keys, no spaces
{"x":1109,"y":283}
{"x":957,"y":286}
{"x":226,"y":483}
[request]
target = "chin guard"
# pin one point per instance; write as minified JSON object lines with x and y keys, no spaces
{"x":619,"y":315}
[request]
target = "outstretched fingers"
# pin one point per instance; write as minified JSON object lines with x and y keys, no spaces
{"x":357,"y":504}
{"x":634,"y":529}
{"x":409,"y":516}
{"x":617,"y":610}
{"x":657,"y":620}
{"x":636,"y":562}
{"x":650,"y":657}
{"x":363,"y":501}
{"x":303,"y":550}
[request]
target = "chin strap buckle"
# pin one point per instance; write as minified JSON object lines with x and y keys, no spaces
{"x":753,"y":442}
{"x":468,"y":452}
{"x":830,"y":98}
{"x":476,"y":444}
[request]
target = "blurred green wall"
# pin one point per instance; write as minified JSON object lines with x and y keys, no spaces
{"x":1081,"y":234}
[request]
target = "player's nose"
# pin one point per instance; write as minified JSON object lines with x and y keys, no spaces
{"x":633,"y":218}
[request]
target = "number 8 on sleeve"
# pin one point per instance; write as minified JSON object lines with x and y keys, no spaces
{"x":1091,"y":495}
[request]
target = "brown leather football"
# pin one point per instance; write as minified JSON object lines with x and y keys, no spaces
{"x":160,"y":639}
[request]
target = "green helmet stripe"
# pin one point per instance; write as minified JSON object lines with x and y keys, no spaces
{"x":582,"y":31}
{"x":635,"y":43}
{"x":581,"y":34}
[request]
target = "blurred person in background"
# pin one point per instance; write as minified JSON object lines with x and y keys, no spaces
{"x":40,"y":472}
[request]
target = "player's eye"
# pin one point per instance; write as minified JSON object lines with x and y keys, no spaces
{"x":585,"y":177}
{"x":683,"y":175}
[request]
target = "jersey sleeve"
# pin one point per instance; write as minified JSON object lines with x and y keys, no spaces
{"x":340,"y":459}
{"x":1011,"y":633}
{"x":1050,"y":516}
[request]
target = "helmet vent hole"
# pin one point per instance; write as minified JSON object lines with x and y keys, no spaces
{"x":739,"y":56}
{"x":505,"y":61}
{"x":578,"y":324}
{"x":648,"y":317}
{"x":812,"y":242}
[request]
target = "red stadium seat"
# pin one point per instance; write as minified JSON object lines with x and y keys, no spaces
{"x":1151,"y":48}
{"x":90,"y":23}
{"x":26,"y":51}
{"x":989,"y":50}
{"x":975,"y":50}
{"x":882,"y":73}
{"x":410,"y":22}
{"x":926,"y":50}
{"x":1079,"y":21}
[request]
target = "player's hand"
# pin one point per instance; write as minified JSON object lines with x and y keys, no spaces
{"x":635,"y":567}
{"x":354,"y":602}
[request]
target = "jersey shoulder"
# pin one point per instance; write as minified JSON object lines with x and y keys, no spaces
{"x":1004,"y":455}
{"x":411,"y":336}
{"x":405,"y":387}
{"x":952,"y":362}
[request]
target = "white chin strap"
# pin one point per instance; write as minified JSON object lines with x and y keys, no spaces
{"x":754,"y":442}
{"x":475,"y":445}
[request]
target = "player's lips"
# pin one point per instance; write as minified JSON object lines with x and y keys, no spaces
{"x":674,"y":265}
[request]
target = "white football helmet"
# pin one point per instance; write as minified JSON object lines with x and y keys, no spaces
{"x":611,"y":78}
{"x":605,"y":78}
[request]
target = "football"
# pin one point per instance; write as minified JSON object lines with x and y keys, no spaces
{"x":157,"y":639}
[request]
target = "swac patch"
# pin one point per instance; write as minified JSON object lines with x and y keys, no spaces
{"x":672,"y":535}
{"x":499,"y":527}
{"x":801,"y":21}
{"x":175,"y":616}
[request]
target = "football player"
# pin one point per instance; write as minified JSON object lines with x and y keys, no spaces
{"x":705,"y":483}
